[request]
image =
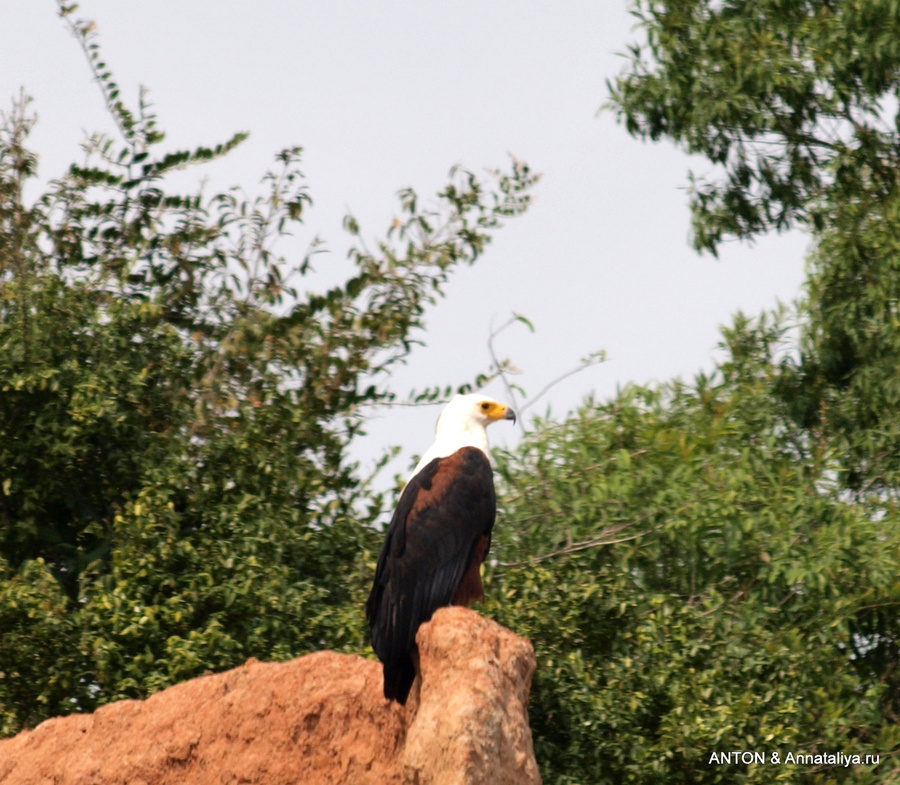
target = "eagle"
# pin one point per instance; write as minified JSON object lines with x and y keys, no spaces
{"x":437,"y":538}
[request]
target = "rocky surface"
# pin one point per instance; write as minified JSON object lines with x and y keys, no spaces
{"x":318,"y":719}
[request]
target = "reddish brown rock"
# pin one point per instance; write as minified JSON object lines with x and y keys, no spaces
{"x":471,"y":725}
{"x":317,"y":719}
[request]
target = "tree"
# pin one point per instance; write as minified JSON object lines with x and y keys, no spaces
{"x":694,"y":582}
{"x":845,"y":384}
{"x":790,"y":101}
{"x":795,"y":105}
{"x":712,"y":567}
{"x":175,"y":492}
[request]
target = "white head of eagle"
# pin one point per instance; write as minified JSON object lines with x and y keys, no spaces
{"x":437,"y":539}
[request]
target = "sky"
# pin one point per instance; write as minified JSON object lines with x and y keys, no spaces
{"x":386,"y":95}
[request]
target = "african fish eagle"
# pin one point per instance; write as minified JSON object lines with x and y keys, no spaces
{"x":437,"y":539}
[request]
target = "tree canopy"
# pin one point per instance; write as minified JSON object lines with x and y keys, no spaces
{"x":794,"y":104}
{"x":712,"y":566}
{"x":694,"y":583}
{"x":175,"y":490}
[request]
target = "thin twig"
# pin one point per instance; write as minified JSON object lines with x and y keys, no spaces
{"x":584,"y":365}
{"x":502,"y":371}
{"x":721,"y":604}
{"x":575,"y":547}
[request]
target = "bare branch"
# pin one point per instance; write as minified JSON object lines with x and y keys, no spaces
{"x":502,"y":367}
{"x":587,"y":362}
{"x":594,"y":542}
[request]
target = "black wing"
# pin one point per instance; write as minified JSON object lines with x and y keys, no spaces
{"x":442,"y":513}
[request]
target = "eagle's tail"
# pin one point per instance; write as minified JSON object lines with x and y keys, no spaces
{"x":398,"y":679}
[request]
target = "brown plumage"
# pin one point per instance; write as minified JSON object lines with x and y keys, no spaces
{"x":437,"y":539}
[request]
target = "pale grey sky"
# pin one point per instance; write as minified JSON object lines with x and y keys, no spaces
{"x":392,"y":94}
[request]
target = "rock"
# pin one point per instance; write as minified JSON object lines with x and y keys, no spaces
{"x":471,"y":725}
{"x":318,"y":719}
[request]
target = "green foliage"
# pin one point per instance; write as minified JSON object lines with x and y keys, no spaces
{"x":713,"y":567}
{"x":786,"y":99}
{"x":693,"y":582}
{"x":847,"y":386}
{"x":175,"y":494}
{"x":40,"y":673}
{"x":795,"y":105}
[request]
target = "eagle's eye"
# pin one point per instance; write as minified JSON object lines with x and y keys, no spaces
{"x":485,"y":406}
